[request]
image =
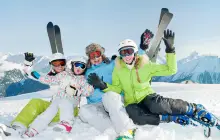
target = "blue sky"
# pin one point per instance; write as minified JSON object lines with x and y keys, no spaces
{"x":23,"y":24}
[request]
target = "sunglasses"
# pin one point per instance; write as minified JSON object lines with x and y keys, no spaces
{"x":126,"y":52}
{"x":58,"y":63}
{"x":79,"y":64}
{"x":95,"y":54}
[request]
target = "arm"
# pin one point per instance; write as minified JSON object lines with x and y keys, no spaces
{"x":171,"y":67}
{"x":85,"y":89}
{"x":165,"y":69}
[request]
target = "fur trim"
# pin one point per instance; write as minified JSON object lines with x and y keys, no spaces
{"x":94,"y":47}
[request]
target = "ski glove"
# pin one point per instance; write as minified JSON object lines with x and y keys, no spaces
{"x":113,"y":57}
{"x":169,"y":41}
{"x":29,"y":58}
{"x":95,"y":81}
{"x":145,"y":39}
{"x":71,"y":91}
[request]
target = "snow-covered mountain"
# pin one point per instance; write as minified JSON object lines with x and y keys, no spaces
{"x":13,"y":82}
{"x":208,"y":95}
{"x":197,"y":68}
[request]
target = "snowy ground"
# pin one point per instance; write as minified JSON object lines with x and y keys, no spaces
{"x":208,"y":95}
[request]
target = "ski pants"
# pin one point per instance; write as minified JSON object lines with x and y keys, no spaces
{"x":66,"y":107}
{"x":148,"y":110}
{"x":34,"y":108}
{"x":111,"y":112}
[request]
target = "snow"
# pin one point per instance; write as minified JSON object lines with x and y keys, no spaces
{"x":207,"y":94}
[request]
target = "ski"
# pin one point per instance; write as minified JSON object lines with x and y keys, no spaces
{"x":163,"y":11}
{"x":58,"y":39}
{"x":3,"y":132}
{"x":51,"y":35}
{"x":164,"y":22}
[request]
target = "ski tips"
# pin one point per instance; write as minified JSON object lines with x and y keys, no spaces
{"x":49,"y":24}
{"x":165,"y":9}
{"x":57,"y":28}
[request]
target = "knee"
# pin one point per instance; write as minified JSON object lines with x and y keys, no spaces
{"x":110,"y":99}
{"x":84,"y":113}
{"x":35,"y":100}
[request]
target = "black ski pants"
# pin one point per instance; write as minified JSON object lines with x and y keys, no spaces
{"x":148,"y":110}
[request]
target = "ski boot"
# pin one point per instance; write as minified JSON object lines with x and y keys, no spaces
{"x":179,"y":119}
{"x":198,"y":113}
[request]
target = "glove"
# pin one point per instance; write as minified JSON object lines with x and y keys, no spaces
{"x":29,"y":58}
{"x":145,"y":39}
{"x":169,"y":41}
{"x":71,"y":91}
{"x":94,"y":80}
{"x":113,"y":57}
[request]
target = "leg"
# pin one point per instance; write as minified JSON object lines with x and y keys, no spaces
{"x":93,"y":114}
{"x":30,"y":112}
{"x":42,"y":121}
{"x":141,"y":116}
{"x":66,"y":107}
{"x":113,"y":104}
{"x":66,"y":115}
{"x":165,"y":106}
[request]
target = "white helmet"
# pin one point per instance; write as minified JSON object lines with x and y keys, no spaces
{"x":57,"y":56}
{"x":128,"y":43}
{"x":79,"y":59}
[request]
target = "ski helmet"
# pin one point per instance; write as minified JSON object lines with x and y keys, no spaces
{"x":79,"y":59}
{"x":128,"y":43}
{"x":57,"y":56}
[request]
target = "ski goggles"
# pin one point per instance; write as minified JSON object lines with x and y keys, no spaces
{"x":58,"y":63}
{"x":95,"y":54}
{"x":126,"y":52}
{"x":79,"y":64}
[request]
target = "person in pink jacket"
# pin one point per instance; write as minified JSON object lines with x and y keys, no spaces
{"x":72,"y":85}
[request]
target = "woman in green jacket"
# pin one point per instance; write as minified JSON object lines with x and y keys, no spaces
{"x":132,"y":74}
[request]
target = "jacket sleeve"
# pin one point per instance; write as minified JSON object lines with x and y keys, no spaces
{"x":167,"y":69}
{"x":116,"y":84}
{"x":53,"y":80}
{"x":85,"y":88}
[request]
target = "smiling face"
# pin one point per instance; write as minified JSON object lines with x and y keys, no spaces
{"x":128,"y":59}
{"x":127,"y":54}
{"x":58,"y":65}
{"x":95,"y":58}
{"x":58,"y":69}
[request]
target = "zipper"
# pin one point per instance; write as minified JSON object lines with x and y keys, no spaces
{"x":132,"y":86}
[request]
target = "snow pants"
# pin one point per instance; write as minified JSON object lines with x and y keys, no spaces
{"x":111,"y":112}
{"x":148,"y":110}
{"x":34,"y":108}
{"x":66,"y":107}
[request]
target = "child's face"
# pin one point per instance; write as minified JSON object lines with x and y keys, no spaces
{"x":79,"y":68}
{"x":58,"y":69}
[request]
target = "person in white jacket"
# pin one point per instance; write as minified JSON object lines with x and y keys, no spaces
{"x":72,"y":85}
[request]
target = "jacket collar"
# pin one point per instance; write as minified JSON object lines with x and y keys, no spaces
{"x":140,"y":62}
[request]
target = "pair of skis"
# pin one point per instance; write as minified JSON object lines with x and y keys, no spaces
{"x":165,"y":18}
{"x":54,"y":35}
